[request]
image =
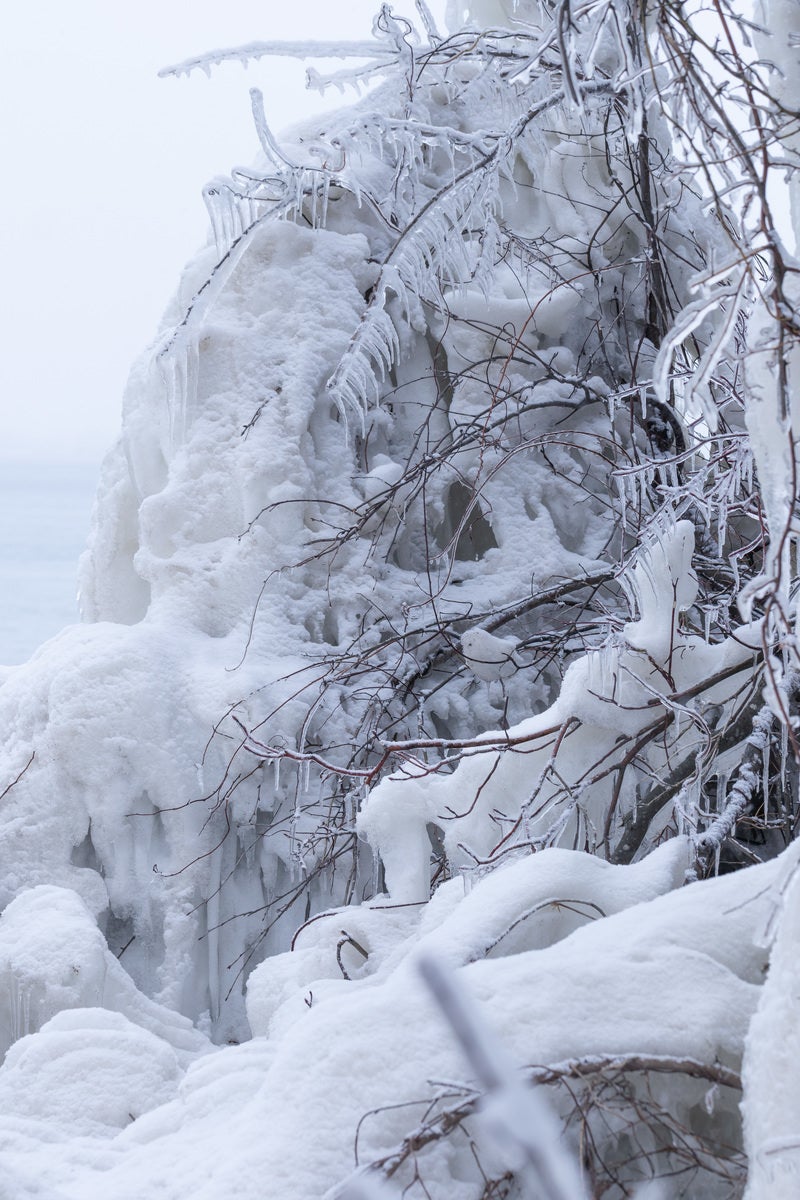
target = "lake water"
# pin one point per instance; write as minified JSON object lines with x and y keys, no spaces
{"x":44,"y":523}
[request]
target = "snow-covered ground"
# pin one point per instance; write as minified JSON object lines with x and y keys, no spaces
{"x":375,"y":436}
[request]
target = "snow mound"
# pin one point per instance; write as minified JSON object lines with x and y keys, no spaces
{"x":53,"y":958}
{"x":665,"y":978}
{"x":87,"y":1072}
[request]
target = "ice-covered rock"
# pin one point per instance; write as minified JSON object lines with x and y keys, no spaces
{"x":54,"y":958}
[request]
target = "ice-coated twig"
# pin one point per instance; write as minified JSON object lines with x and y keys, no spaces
{"x":431,"y":249}
{"x":252,"y":51}
{"x":748,"y":781}
{"x":557,"y":902}
{"x":17,"y":778}
{"x":637,"y":823}
{"x":520,"y":1122}
{"x":449,"y":1119}
{"x":346,"y":77}
{"x":426,"y":16}
{"x":503,"y":616}
{"x":449,"y":240}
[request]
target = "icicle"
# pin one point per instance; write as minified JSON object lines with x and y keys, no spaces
{"x":326,"y":184}
{"x":722,"y":526}
{"x":722,"y":790}
{"x":230,"y":213}
{"x":686,"y":805}
{"x":710,"y":1099}
{"x":228,"y":224}
{"x":179,"y":367}
{"x":632,"y":485}
{"x":20,"y":1010}
{"x":276,"y":773}
{"x":606,"y":658}
{"x":211,"y":199}
{"x":212,"y":925}
{"x":619,"y":480}
{"x":421,"y":714}
{"x":230,"y":218}
{"x":248,"y":844}
{"x":294,"y":851}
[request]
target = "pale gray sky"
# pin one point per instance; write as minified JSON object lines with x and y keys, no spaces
{"x":104,"y":165}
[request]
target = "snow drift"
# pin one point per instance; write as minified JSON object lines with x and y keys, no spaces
{"x":410,"y":630}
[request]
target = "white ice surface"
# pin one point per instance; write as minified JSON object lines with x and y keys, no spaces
{"x":676,"y":974}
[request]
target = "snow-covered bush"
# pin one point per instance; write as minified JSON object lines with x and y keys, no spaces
{"x":439,"y":601}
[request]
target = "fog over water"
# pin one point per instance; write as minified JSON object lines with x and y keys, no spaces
{"x":44,"y":522}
